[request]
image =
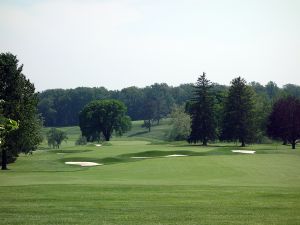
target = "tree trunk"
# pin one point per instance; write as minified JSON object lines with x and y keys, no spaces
{"x":4,"y":160}
{"x":204,"y":143}
{"x":243,"y":143}
{"x":106,"y":136}
{"x":284,"y":142}
{"x":294,"y":144}
{"x":149,"y":126}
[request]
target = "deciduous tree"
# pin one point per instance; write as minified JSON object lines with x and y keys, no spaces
{"x":103,"y":117}
{"x":6,"y":125}
{"x":181,"y":124}
{"x":55,"y":137}
{"x":284,"y":120}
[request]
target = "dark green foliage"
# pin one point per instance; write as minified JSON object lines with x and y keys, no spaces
{"x":132,"y":97}
{"x":55,"y":137}
{"x":6,"y":126}
{"x":238,"y":121}
{"x":291,"y":90}
{"x":61,"y":107}
{"x":203,"y":125}
{"x":103,"y":117}
{"x":272,"y":91}
{"x":284,"y":120}
{"x":20,"y":101}
{"x":157,"y":102}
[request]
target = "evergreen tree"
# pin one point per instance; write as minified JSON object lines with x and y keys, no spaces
{"x":20,"y":101}
{"x":238,"y":117}
{"x":203,"y":126}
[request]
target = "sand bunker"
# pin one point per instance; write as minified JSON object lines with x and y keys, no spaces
{"x":140,"y":157}
{"x":84,"y":163}
{"x":98,"y":145}
{"x":243,"y":151}
{"x":175,"y":155}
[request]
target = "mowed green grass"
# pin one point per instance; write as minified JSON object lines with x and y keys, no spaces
{"x":211,"y":185}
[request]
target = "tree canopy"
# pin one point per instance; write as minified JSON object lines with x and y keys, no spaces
{"x":6,"y":126}
{"x":103,"y":117}
{"x":61,"y":107}
{"x":20,"y":101}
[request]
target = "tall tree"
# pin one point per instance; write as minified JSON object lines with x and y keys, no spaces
{"x":203,"y":126}
{"x":20,"y":101}
{"x":284,"y":120}
{"x":238,"y":113}
{"x":103,"y":117}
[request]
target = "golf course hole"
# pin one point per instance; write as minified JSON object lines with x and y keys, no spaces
{"x":83,"y":163}
{"x":243,"y":151}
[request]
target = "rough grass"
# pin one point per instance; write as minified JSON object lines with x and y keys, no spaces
{"x":210,"y":186}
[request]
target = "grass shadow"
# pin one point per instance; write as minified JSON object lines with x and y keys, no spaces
{"x":125,"y":158}
{"x":138,"y":133}
{"x":70,"y":151}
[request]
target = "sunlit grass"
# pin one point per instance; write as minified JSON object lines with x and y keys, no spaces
{"x":211,"y":185}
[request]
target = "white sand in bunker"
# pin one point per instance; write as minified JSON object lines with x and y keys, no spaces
{"x":98,"y":145}
{"x":140,"y":157}
{"x":175,"y":155}
{"x":243,"y":151}
{"x":83,"y":163}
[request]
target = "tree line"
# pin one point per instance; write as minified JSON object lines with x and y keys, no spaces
{"x":240,"y":115}
{"x":61,"y":107}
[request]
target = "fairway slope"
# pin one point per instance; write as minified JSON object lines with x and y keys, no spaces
{"x":137,"y":184}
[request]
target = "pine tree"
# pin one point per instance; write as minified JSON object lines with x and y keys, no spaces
{"x":203,"y":126}
{"x":238,"y":118}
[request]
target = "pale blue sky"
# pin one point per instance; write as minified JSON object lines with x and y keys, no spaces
{"x":121,"y":43}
